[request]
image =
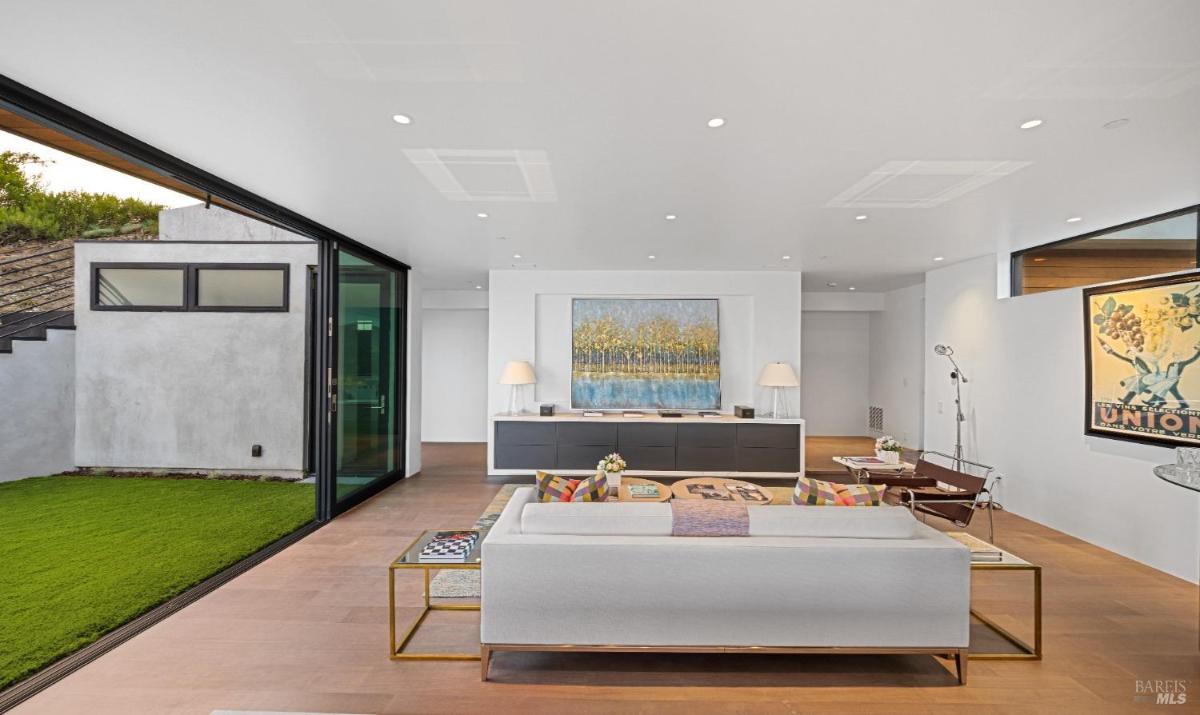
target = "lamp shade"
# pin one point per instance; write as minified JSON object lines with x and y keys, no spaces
{"x":778,"y":374}
{"x":517,"y":372}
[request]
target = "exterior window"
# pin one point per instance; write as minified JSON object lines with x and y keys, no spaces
{"x":1160,"y":244}
{"x":232,"y":288}
{"x":155,"y":287}
{"x":197,"y":287}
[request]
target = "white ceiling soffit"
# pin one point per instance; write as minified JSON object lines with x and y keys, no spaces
{"x":487,"y":174}
{"x":414,"y":61}
{"x":922,"y":184}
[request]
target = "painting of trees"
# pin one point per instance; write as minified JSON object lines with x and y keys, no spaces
{"x":651,"y":337}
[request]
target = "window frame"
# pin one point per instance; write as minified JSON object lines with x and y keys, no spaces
{"x":191,"y":287}
{"x":1016,"y":288}
{"x":94,"y":291}
{"x":193,"y":298}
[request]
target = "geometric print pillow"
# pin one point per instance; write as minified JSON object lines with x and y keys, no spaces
{"x":551,"y":487}
{"x":860,"y":494}
{"x":814,"y":492}
{"x":594,"y":488}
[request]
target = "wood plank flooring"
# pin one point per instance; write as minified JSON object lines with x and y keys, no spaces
{"x":307,"y":631}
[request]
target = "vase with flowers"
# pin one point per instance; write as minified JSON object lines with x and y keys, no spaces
{"x":612,"y":466}
{"x":887,"y":449}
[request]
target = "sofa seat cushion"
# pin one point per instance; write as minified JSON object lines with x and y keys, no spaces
{"x":631,"y":519}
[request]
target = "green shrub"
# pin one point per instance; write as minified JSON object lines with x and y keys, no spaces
{"x":29,"y":212}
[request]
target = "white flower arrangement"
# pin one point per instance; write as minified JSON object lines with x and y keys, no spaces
{"x":887,"y":443}
{"x":612,"y":464}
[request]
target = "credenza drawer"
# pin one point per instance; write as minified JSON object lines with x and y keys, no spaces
{"x":526,"y":456}
{"x":768,"y":459}
{"x":705,"y":459}
{"x":649,"y":458}
{"x":707,"y":435}
{"x":652,"y":435}
{"x":525,"y":433}
{"x":582,"y":456}
{"x":786,"y":436}
{"x":587,"y":434}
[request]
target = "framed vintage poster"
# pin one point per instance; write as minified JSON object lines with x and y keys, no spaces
{"x":1142,"y":350}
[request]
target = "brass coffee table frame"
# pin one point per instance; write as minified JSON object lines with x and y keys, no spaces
{"x":1025,"y":651}
{"x":396,"y":650}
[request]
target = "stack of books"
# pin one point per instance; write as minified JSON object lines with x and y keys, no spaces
{"x":981,"y":551}
{"x":449,"y":547}
{"x":643,"y":491}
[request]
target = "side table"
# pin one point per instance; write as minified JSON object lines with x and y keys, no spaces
{"x":410,"y":559}
{"x":1025,"y":651}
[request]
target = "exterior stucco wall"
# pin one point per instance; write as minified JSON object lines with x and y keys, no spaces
{"x":196,"y":223}
{"x":37,"y":390}
{"x":191,"y":390}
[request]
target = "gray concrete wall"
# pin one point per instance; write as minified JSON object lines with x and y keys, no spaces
{"x":37,"y":391}
{"x":191,"y":390}
{"x":196,"y":223}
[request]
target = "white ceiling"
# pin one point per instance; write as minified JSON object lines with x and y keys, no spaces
{"x":577,"y":125}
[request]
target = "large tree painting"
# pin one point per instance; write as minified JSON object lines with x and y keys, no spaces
{"x":645,"y":353}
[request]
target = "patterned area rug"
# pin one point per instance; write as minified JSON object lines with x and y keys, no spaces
{"x":464,"y":583}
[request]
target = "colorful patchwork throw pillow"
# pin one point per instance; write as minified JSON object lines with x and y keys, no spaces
{"x":860,"y":494}
{"x":551,"y":487}
{"x":594,"y":488}
{"x":814,"y":492}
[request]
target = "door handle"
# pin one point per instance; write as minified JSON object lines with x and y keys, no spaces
{"x":382,"y":404}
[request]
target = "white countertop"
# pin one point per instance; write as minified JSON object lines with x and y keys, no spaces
{"x":723,"y":418}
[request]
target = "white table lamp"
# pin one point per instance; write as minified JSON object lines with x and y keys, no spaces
{"x":516,"y":373}
{"x":777,"y":375}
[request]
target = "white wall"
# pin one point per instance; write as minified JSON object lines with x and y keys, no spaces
{"x":454,"y":366}
{"x":897,"y":370}
{"x":191,"y":390}
{"x":530,"y":319}
{"x":1024,"y":406}
{"x":196,"y":223}
{"x":37,"y":388}
{"x":834,"y":372}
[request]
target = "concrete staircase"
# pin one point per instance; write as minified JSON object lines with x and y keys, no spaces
{"x":32,"y":326}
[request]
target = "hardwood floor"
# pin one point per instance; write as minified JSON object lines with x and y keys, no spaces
{"x":820,"y":451}
{"x":307,"y":631}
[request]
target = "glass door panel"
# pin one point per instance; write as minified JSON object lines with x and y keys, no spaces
{"x":367,"y":421}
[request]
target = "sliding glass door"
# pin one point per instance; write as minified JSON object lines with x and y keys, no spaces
{"x":368,"y":346}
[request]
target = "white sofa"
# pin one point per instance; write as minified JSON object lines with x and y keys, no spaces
{"x":608,"y":576}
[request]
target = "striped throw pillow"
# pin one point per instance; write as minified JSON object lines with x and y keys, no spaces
{"x":860,"y":494}
{"x":814,"y":492}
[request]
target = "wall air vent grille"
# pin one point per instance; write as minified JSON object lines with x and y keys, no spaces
{"x":875,"y":419}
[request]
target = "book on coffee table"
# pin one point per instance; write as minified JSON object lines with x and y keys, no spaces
{"x":981,"y":551}
{"x":643,"y":491}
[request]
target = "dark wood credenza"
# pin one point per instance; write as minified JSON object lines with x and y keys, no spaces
{"x":571,"y":443}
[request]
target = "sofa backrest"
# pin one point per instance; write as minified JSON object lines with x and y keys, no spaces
{"x":631,"y":519}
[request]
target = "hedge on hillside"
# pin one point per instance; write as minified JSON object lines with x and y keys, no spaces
{"x":29,"y":212}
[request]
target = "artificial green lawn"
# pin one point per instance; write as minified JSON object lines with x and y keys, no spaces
{"x":79,"y":556}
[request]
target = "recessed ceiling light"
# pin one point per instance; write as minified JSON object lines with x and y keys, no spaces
{"x":670,"y":217}
{"x":787,"y":258}
{"x":516,"y":255}
{"x":1075,"y":219}
{"x":478,"y":287}
{"x":939,"y":258}
{"x":851,"y":288}
{"x":860,"y":217}
{"x":401,"y":119}
{"x":651,"y":256}
{"x":716,"y":122}
{"x":481,"y":215}
{"x":1031,"y":124}
{"x":832,"y":285}
{"x":1116,"y":123}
